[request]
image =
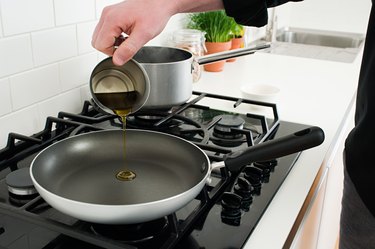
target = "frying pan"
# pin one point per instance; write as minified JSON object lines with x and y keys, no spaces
{"x":77,"y":175}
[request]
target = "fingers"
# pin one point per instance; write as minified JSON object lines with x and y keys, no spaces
{"x":124,"y":53}
{"x":106,"y":39}
{"x":105,"y":33}
{"x":130,"y":47}
{"x":124,"y":17}
{"x":96,"y":32}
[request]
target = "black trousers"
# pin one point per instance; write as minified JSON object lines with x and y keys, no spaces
{"x":357,"y":224}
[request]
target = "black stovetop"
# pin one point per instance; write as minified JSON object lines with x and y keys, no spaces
{"x":215,"y":219}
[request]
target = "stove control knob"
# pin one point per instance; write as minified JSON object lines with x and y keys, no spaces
{"x":254,"y":176}
{"x":270,"y":164}
{"x":266,"y":172}
{"x":244,"y":189}
{"x":231,"y":209}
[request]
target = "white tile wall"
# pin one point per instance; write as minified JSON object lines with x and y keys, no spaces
{"x":6,"y":103}
{"x":15,"y":55}
{"x":20,"y":16}
{"x":76,"y":72}
{"x":25,"y":121}
{"x":85,"y":93}
{"x":67,"y":102}
{"x":1,"y":27}
{"x":84,"y":35}
{"x":73,"y":11}
{"x":46,"y":60}
{"x":54,"y":45}
{"x":33,"y":86}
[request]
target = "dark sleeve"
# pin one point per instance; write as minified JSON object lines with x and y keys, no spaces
{"x":251,"y":12}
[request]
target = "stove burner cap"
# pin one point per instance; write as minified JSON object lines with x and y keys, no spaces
{"x":230,"y":121}
{"x":132,"y":233}
{"x":223,"y":128}
{"x":19,"y":182}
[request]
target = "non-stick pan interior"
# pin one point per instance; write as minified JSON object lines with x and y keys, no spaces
{"x":84,"y":168}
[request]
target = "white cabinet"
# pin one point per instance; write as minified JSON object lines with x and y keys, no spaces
{"x":308,"y":233}
{"x":330,"y":219}
{"x":319,"y":228}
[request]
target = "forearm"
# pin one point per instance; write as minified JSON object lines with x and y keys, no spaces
{"x":142,"y":20}
{"x":187,"y":6}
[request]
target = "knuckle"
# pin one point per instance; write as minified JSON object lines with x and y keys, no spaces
{"x":106,"y":10}
{"x":131,"y":47}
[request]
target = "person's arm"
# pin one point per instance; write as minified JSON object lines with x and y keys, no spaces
{"x":142,"y":20}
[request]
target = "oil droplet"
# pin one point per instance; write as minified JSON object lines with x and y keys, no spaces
{"x":125,"y":175}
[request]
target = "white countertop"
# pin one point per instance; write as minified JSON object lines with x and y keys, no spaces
{"x":314,"y":92}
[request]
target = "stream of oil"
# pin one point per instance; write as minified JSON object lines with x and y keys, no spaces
{"x":121,"y":103}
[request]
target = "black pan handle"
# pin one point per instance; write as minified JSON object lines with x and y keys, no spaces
{"x":268,"y":150}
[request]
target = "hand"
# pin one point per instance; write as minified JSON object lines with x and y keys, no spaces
{"x":141,"y":20}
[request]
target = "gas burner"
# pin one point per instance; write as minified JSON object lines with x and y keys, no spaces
{"x":229,"y":142}
{"x":132,"y":233}
{"x":19,"y":183}
{"x":225,"y":127}
{"x":149,"y":121}
{"x":205,"y":222}
{"x":20,"y":187}
{"x":228,"y":131}
{"x":20,"y":200}
{"x":177,"y":125}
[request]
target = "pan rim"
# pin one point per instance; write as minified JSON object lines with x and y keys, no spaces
{"x":190,"y":58}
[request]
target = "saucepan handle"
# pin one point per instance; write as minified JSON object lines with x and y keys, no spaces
{"x":211,"y":58}
{"x":271,"y":149}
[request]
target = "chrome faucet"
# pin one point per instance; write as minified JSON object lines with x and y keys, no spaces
{"x":271,"y":27}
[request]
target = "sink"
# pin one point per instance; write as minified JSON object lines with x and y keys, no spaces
{"x":316,"y":44}
{"x":320,"y":38}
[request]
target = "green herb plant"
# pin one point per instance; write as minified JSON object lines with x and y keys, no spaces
{"x":216,"y":25}
{"x":237,"y":30}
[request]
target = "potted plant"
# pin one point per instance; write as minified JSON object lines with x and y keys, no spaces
{"x":217,"y":27}
{"x":237,"y":34}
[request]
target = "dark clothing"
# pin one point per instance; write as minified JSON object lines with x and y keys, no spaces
{"x":251,"y":12}
{"x":357,"y":224}
{"x":360,"y":155}
{"x":359,"y":148}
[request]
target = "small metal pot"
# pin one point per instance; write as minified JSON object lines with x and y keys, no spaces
{"x":161,"y":75}
{"x":170,"y":72}
{"x":109,"y":78}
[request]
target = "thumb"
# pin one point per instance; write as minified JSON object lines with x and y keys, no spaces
{"x":127,"y":49}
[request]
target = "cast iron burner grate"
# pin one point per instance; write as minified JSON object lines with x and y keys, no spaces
{"x":181,"y":229}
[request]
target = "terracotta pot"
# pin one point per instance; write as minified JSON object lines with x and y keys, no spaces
{"x":236,"y":43}
{"x":214,"y":47}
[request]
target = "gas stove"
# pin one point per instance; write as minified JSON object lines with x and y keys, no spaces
{"x":223,"y":215}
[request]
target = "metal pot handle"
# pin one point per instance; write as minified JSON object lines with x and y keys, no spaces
{"x":211,"y":58}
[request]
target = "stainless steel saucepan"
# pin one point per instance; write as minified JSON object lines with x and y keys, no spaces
{"x":79,"y":176}
{"x":170,"y":72}
{"x":161,"y":76}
